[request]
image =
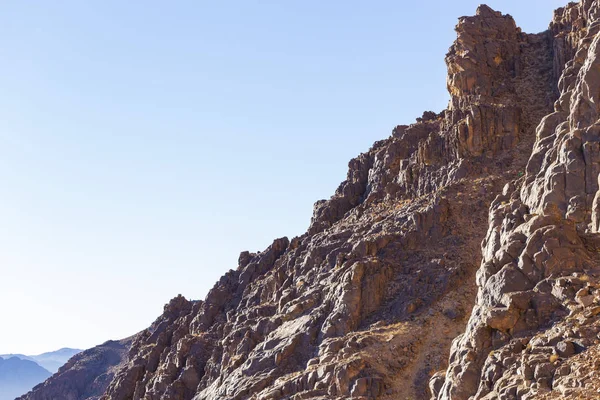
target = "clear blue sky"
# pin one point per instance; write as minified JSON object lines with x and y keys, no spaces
{"x":144,"y":144}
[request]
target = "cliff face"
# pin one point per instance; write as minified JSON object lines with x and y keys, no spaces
{"x":392,"y":268}
{"x":535,"y":308}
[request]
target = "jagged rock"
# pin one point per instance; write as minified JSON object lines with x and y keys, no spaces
{"x":558,"y":192}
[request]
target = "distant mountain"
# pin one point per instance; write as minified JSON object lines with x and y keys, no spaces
{"x":18,"y":376}
{"x":51,"y":361}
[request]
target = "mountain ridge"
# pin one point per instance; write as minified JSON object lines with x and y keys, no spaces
{"x":18,"y":376}
{"x":51,"y":360}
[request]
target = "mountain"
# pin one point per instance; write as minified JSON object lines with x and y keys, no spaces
{"x":18,"y":376}
{"x":86,"y":374}
{"x":458,"y":260}
{"x":51,"y":361}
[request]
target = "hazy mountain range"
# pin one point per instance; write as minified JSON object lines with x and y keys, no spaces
{"x":19,"y":373}
{"x":18,"y":376}
{"x":51,"y":361}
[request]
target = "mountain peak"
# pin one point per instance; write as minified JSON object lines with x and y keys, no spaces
{"x":487,"y":12}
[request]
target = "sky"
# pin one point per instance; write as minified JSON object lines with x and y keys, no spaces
{"x":145,"y":144}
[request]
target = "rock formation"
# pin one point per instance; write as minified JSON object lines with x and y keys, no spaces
{"x":537,"y":284}
{"x":392,"y":275}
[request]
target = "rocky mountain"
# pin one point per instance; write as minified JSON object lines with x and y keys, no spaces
{"x":458,"y":260}
{"x":18,"y":376}
{"x":51,"y":361}
{"x":86,"y":374}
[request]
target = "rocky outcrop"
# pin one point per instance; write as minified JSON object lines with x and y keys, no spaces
{"x":535,"y":307}
{"x":367,"y":302}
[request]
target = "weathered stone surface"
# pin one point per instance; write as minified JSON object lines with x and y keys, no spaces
{"x":552,"y":213}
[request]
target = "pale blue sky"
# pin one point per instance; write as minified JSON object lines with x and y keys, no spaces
{"x":144,"y":144}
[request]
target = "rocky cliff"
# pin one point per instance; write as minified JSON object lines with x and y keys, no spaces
{"x":391,"y":293}
{"x":534,"y":325}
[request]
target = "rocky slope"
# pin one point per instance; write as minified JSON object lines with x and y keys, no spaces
{"x":86,"y":374}
{"x":367,"y":302}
